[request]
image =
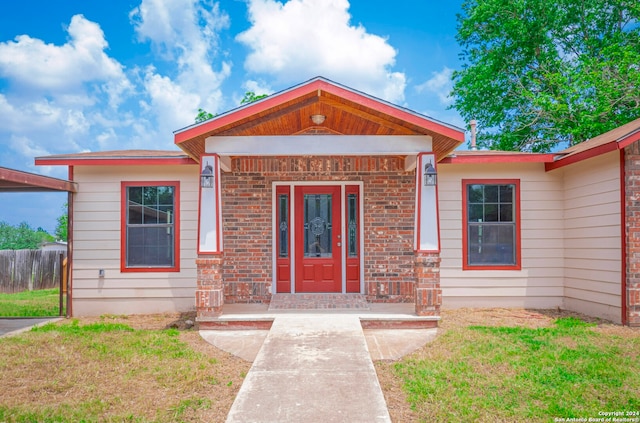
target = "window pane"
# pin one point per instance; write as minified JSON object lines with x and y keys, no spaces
{"x":491,"y":193}
{"x":135,"y":194}
{"x":283,"y":225}
{"x":491,"y":224}
{"x":150,"y":195}
{"x":506,"y":193}
{"x":165,"y":214}
{"x":492,"y":244}
{"x":476,"y":213}
{"x":352,"y":225}
{"x":475,"y":193}
{"x":506,"y":213}
{"x":135,"y":214}
{"x":490,"y":212}
{"x":150,"y":227}
{"x":165,"y":195}
{"x":150,"y":246}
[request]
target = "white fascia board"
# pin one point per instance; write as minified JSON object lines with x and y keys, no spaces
{"x":319,"y":145}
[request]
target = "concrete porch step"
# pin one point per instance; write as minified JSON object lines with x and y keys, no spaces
{"x":260,"y":317}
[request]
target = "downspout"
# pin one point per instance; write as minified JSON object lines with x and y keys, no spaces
{"x":70,"y":248}
{"x":623,"y":238}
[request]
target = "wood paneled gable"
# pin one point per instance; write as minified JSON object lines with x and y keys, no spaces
{"x":348,"y":112}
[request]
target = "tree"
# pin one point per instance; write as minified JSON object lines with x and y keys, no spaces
{"x":61,"y":231}
{"x":537,"y":73}
{"x":249,"y":97}
{"x":22,"y":237}
{"x":203,"y":115}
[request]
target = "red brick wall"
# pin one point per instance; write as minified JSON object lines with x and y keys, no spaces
{"x":389,"y":205}
{"x":428,"y":293}
{"x":632,"y":211}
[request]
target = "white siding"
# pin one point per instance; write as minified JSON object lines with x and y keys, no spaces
{"x":540,"y":282}
{"x":570,"y":234}
{"x":96,"y":244}
{"x":593,"y":237}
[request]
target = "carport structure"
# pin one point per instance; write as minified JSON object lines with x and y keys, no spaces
{"x":18,"y":181}
{"x":12,"y":180}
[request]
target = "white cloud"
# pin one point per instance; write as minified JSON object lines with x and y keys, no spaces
{"x":257,"y":87}
{"x":175,"y":106}
{"x":186,"y":32}
{"x":64,"y":69}
{"x":301,"y":39}
{"x":58,"y":92}
{"x":106,"y":138}
{"x":27,"y":147}
{"x":439,"y":84}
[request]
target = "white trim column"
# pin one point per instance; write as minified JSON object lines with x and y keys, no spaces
{"x":209,"y":219}
{"x":427,"y":227}
{"x":428,"y":294}
{"x":209,"y":264}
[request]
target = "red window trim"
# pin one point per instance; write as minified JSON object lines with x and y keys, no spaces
{"x":123,"y":226}
{"x":465,"y":239}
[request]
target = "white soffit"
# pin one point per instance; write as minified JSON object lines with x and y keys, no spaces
{"x":319,"y":145}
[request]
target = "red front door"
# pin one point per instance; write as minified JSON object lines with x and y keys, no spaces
{"x":318,"y":239}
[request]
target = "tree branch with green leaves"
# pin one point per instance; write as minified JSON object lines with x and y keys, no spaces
{"x":249,"y":97}
{"x":537,"y":74}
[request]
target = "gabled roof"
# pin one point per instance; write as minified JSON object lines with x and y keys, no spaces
{"x":117,"y":157}
{"x":12,"y":180}
{"x":616,"y":139}
{"x":347,"y":112}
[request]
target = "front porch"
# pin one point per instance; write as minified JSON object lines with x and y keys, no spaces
{"x":251,"y":316}
{"x":319,"y":189}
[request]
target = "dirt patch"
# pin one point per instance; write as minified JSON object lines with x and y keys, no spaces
{"x":148,"y":321}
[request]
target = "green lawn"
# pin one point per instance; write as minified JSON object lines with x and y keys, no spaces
{"x":41,"y":303}
{"x":499,"y":373}
{"x":109,"y":371}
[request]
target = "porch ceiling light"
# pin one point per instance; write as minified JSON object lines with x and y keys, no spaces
{"x":318,"y":119}
{"x":206,"y":178}
{"x":430,"y":175}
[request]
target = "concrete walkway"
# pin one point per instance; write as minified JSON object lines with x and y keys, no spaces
{"x":312,"y":368}
{"x":10,"y":326}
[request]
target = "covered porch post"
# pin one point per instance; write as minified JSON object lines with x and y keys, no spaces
{"x":428,"y":295}
{"x":209,"y":264}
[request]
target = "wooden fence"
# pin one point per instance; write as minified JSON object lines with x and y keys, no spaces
{"x":22,"y":270}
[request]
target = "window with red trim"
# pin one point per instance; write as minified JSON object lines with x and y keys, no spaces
{"x":491,"y":227}
{"x":150,"y":226}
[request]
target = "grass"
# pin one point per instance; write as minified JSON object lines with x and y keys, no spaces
{"x":570,"y":369}
{"x":109,"y":371}
{"x":486,"y":365}
{"x":40,"y":303}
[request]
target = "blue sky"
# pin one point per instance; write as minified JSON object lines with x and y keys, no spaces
{"x":79,"y":75}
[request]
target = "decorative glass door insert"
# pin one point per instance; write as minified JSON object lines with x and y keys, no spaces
{"x":317,"y":225}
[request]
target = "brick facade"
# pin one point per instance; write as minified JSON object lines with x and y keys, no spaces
{"x":209,"y":290}
{"x":389,"y":214}
{"x":632,"y":232}
{"x":428,"y":295}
